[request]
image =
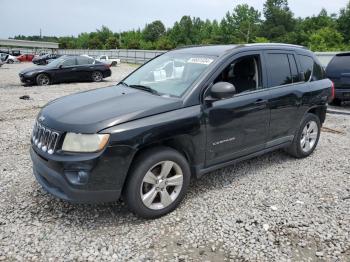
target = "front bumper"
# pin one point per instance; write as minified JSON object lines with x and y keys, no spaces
{"x":56,"y":178}
{"x":342,"y":94}
{"x":26,"y":80}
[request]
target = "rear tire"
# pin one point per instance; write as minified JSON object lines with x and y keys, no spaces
{"x":157,"y":183}
{"x":96,"y":76}
{"x":42,"y":80}
{"x":306,"y":138}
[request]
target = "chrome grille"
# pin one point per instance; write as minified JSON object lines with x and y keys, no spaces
{"x":45,"y":138}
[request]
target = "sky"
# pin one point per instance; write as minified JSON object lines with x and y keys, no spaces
{"x":71,"y":17}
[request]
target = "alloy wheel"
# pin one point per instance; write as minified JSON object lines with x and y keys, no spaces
{"x":161,"y":185}
{"x":43,"y":80}
{"x":97,"y":76}
{"x":309,"y":136}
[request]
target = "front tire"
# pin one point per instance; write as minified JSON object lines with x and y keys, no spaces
{"x":42,"y":80}
{"x":307,"y":137}
{"x":157,"y":183}
{"x":96,"y":76}
{"x":10,"y":61}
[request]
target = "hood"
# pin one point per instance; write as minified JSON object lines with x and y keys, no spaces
{"x":92,"y":111}
{"x":33,"y":69}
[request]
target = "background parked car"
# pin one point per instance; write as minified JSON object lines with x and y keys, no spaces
{"x":25,"y":57}
{"x":108,"y":60}
{"x":338,"y":70}
{"x":11,"y":52}
{"x":9,"y":59}
{"x":66,"y":69}
{"x":45,"y":59}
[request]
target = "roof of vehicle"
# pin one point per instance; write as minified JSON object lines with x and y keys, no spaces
{"x":343,"y":54}
{"x":218,"y":50}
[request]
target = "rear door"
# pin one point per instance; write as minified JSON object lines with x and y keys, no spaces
{"x":84,"y":67}
{"x":286,"y":90}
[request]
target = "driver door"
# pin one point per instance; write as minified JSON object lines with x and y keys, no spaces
{"x":68,"y":70}
{"x":238,"y":126}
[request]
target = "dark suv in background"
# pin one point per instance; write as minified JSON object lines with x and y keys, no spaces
{"x":338,"y":70}
{"x":181,"y":115}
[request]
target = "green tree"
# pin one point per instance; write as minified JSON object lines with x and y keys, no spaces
{"x":181,"y":33}
{"x":326,"y":39}
{"x":112,"y":43}
{"x":103,"y":34}
{"x":154,"y":31}
{"x":131,"y":39}
{"x":344,"y":22}
{"x":241,"y":25}
{"x":164,"y":43}
{"x":278,"y":20}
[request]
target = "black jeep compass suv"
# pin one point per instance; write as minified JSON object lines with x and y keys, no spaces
{"x":181,"y":115}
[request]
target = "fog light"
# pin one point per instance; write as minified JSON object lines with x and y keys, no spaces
{"x":82,"y":176}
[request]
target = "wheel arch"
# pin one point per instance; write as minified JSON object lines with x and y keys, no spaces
{"x":319,"y":111}
{"x":43,"y":73}
{"x":175,"y":143}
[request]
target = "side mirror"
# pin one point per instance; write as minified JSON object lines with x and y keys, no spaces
{"x":60,"y":66}
{"x":222,"y":90}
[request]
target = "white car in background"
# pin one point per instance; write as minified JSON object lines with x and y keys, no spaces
{"x":9,"y":59}
{"x":108,"y":60}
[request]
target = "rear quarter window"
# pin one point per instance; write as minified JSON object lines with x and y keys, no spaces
{"x":311,"y":69}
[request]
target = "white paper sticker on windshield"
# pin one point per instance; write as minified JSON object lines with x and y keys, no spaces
{"x":200,"y":60}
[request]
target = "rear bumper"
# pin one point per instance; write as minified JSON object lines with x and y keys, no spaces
{"x":342,"y":94}
{"x":107,"y":73}
{"x":55,"y":182}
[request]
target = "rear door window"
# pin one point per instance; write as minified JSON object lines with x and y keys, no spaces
{"x":293,"y":69}
{"x":69,"y":62}
{"x":307,"y":64}
{"x":280,"y":71}
{"x":85,"y":60}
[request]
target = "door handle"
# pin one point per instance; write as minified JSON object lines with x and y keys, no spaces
{"x":261,"y":102}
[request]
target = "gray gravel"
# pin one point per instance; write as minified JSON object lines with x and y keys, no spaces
{"x":271,"y":208}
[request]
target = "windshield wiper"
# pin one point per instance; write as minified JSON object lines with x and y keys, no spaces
{"x":145,"y":88}
{"x":123,"y":83}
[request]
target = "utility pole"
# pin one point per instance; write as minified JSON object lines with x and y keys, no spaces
{"x":40,"y":33}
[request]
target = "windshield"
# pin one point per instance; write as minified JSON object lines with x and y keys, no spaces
{"x":170,"y":74}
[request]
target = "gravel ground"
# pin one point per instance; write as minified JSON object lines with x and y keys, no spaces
{"x":271,"y":208}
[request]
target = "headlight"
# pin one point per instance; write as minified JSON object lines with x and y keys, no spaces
{"x":84,"y":143}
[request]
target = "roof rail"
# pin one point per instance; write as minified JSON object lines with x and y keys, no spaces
{"x":275,"y":44}
{"x":204,"y":45}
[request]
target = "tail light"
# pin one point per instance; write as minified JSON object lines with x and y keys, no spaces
{"x":107,"y":66}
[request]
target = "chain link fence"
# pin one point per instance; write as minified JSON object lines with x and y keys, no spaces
{"x":125,"y":55}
